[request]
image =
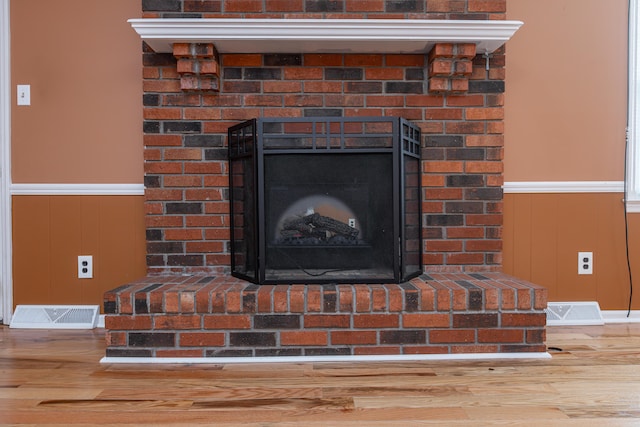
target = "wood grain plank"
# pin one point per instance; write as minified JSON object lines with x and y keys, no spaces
{"x":54,"y":378}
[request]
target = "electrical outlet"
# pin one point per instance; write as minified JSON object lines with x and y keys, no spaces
{"x":585,"y":262}
{"x":352,"y":222}
{"x":85,"y":267}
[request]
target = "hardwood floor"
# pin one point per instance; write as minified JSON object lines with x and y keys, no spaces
{"x":55,"y":378}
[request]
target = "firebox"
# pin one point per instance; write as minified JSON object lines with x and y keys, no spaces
{"x":325,"y":200}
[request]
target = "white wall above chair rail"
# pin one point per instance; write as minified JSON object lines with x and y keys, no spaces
{"x":324,"y":35}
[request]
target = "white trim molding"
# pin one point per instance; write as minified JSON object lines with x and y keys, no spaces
{"x":77,"y":189}
{"x":633,"y":206}
{"x":6,"y":275}
{"x":564,"y":187}
{"x":329,"y":359}
{"x":324,"y":35}
{"x":633,"y":111}
{"x":621,"y":316}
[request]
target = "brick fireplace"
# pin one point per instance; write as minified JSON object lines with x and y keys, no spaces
{"x":210,"y":65}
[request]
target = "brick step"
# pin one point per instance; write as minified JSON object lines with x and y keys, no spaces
{"x":205,"y":316}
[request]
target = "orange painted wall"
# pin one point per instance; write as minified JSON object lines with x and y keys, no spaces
{"x":565,"y":120}
{"x":566,"y":91}
{"x":84,"y":125}
{"x":83,"y":62}
{"x":51,"y":231}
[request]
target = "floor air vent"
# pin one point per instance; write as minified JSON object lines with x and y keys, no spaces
{"x":574,"y":313}
{"x":55,"y":317}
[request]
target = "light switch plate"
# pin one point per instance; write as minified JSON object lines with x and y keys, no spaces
{"x":24,"y":94}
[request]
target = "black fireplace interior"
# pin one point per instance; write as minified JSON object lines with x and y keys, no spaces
{"x":325,"y":200}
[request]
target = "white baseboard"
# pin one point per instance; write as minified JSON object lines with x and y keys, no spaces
{"x":620,"y":316}
{"x":327,"y":359}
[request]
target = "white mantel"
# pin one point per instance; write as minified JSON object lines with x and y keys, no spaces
{"x":324,"y":35}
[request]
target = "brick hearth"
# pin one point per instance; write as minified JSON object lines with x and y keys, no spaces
{"x":206,"y":316}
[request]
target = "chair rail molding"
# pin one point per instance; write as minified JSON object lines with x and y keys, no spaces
{"x":563,"y":187}
{"x":551,"y":187}
{"x":40,"y":189}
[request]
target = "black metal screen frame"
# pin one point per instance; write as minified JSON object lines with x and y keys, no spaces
{"x":262,"y":137}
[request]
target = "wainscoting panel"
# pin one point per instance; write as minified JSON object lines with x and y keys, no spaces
{"x":50,"y":232}
{"x":544,"y":232}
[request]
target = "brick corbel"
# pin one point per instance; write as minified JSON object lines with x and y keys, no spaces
{"x":198,"y":66}
{"x":450,"y":66}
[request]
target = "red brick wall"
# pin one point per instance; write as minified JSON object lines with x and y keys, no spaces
{"x":460,"y":112}
{"x":416,"y":9}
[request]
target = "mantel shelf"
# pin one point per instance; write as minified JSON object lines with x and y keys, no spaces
{"x":324,"y":35}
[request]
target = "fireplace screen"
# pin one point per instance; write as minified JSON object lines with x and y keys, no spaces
{"x":325,"y":200}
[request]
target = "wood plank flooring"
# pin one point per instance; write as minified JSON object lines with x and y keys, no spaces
{"x":54,"y":378}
